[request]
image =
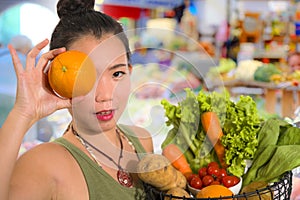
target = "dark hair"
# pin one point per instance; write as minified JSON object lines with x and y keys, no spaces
{"x":78,"y":18}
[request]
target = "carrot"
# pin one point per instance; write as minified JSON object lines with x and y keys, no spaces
{"x":173,"y":153}
{"x":212,"y":127}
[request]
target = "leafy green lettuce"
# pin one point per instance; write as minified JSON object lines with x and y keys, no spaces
{"x":240,"y":130}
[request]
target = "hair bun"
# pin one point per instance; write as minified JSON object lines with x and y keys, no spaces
{"x":72,"y":7}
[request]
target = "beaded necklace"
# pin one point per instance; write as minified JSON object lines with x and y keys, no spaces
{"x":123,"y":176}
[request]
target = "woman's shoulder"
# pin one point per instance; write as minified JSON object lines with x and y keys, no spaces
{"x":42,"y":169}
{"x":47,"y":159}
{"x":51,"y":158}
{"x":144,"y":137}
{"x":45,"y":155}
{"x":44,"y":148}
{"x":48,"y":169}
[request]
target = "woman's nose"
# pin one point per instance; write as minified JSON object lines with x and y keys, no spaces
{"x":104,"y":91}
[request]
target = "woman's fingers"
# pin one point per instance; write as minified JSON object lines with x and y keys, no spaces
{"x":31,"y":56}
{"x":15,"y":58}
{"x":43,"y":61}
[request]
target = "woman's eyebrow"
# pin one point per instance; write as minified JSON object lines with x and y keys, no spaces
{"x":117,"y":66}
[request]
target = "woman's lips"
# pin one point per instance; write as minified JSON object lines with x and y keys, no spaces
{"x":105,"y":115}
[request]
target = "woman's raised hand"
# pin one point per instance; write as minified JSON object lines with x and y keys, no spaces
{"x":35,"y":99}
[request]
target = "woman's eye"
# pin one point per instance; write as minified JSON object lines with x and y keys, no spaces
{"x":118,"y":74}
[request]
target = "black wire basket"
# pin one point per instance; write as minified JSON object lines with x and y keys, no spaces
{"x":280,"y":190}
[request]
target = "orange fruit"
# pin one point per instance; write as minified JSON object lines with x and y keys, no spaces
{"x":72,"y":74}
{"x":214,"y":191}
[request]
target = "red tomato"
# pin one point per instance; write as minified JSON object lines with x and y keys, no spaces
{"x":202,"y":172}
{"x":213,"y":170}
{"x":207,"y":180}
{"x":216,"y":183}
{"x":236,"y":180}
{"x":196,"y":182}
{"x":229,"y":181}
{"x":215,"y":164}
{"x":222,"y":173}
{"x":191,"y":177}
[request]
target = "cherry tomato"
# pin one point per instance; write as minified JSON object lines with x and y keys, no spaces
{"x":229,"y":181}
{"x":236,"y":180}
{"x":207,"y":180}
{"x":216,"y":183}
{"x":202,"y":172}
{"x":191,"y":177}
{"x":215,"y":164}
{"x":196,"y":182}
{"x":213,"y":170}
{"x":222,"y":172}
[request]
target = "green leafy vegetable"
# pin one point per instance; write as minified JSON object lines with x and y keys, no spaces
{"x":186,"y":132}
{"x":277,"y":153}
{"x":240,"y":122}
{"x":264,"y":72}
{"x":240,"y":129}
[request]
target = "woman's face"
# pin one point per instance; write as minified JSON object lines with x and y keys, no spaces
{"x":101,"y":108}
{"x":294,"y":62}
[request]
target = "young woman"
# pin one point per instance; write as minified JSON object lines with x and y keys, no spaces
{"x":96,"y":157}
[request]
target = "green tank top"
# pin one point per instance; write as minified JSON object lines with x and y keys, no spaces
{"x":100,"y":184}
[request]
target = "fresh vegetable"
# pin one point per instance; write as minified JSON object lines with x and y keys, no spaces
{"x":277,"y":153}
{"x":202,"y":172}
{"x":186,"y":132}
{"x":246,"y":69}
{"x":215,"y":183}
{"x":180,"y":181}
{"x":240,"y":130}
{"x":230,"y":181}
{"x":191,"y":177}
{"x":222,"y":173}
{"x":196,"y":182}
{"x":207,"y":180}
{"x":293,"y":78}
{"x":222,"y":71}
{"x":225,"y":66}
{"x":156,"y":170}
{"x":212,"y":127}
{"x":213,"y":170}
{"x":265,"y":72}
{"x":239,"y":120}
{"x":212,"y":174}
{"x":177,"y":158}
{"x":213,"y":164}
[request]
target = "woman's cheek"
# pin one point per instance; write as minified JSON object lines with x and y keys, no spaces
{"x":122,"y":92}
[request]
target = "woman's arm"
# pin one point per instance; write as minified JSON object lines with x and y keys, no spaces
{"x":33,"y":102}
{"x":11,"y":136}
